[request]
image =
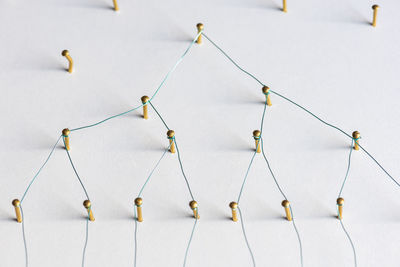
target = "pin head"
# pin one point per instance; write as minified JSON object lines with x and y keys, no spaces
{"x":16,"y":203}
{"x":356,"y":135}
{"x":340,"y":201}
{"x":375,"y":7}
{"x":285,"y":203}
{"x":265,"y":89}
{"x":138,"y":201}
{"x":233,"y":205}
{"x":66,"y":132}
{"x":200,"y":26}
{"x":170,"y":133}
{"x":145,"y":99}
{"x":65,"y":53}
{"x":193,"y":204}
{"x":87,"y":204}
{"x":256,"y":133}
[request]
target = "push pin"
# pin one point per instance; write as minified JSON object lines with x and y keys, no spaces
{"x":116,"y":8}
{"x":145,"y":99}
{"x":375,"y":8}
{"x":138,"y":204}
{"x":257,"y":138}
{"x":286,"y":205}
{"x":200,"y":28}
{"x":284,"y":8}
{"x":16,"y":203}
{"x":65,"y":134}
{"x":340,"y":202}
{"x":171,"y":137}
{"x":88,"y":206}
{"x":266,"y":92}
{"x":65,"y":53}
{"x":233,"y":206}
{"x":356,"y":137}
{"x":193,"y":206}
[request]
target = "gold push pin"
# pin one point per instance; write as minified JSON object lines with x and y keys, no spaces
{"x":88,"y":206}
{"x":286,"y":205}
{"x":138,"y":204}
{"x":194,"y":207}
{"x":284,"y":8}
{"x":233,"y":206}
{"x":340,"y":202}
{"x":116,"y":8}
{"x":145,"y":99}
{"x":65,"y":134}
{"x":171,"y":137}
{"x":375,"y":8}
{"x":266,"y":92}
{"x":200,"y":27}
{"x":65,"y":53}
{"x":257,"y":137}
{"x":356,"y":137}
{"x":16,"y":204}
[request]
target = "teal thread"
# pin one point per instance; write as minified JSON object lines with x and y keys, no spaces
{"x":161,"y":118}
{"x":347,"y":171}
{"x":191,"y":238}
{"x":245,"y":237}
{"x":349,"y":238}
{"x":86,"y":238}
{"x":155,"y":93}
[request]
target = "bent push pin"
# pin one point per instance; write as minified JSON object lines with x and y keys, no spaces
{"x":65,"y":53}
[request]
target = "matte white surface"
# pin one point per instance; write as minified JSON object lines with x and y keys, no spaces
{"x":321,"y":54}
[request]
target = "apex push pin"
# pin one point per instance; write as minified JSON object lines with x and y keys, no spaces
{"x":145,"y":99}
{"x":375,"y":8}
{"x":257,"y":137}
{"x":171,"y":137}
{"x":233,"y":205}
{"x":65,"y":53}
{"x":266,"y":92}
{"x":340,"y":202}
{"x":138,"y":204}
{"x":65,"y":134}
{"x":116,"y":8}
{"x":286,"y":205}
{"x":356,"y":137}
{"x":284,"y":7}
{"x":88,"y":206}
{"x":193,"y":205}
{"x":200,"y":27}
{"x":16,"y":203}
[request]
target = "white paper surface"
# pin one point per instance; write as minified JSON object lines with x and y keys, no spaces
{"x":323,"y":55}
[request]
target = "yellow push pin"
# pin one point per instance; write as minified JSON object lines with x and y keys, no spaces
{"x":88,"y":206}
{"x":116,"y":8}
{"x":194,"y":207}
{"x":200,"y":27}
{"x":284,"y":8}
{"x":375,"y":8}
{"x":286,"y":205}
{"x":16,"y":204}
{"x":65,"y":134}
{"x":266,"y":92}
{"x":340,"y":202}
{"x":171,"y":137}
{"x":356,"y":137}
{"x":138,"y":204}
{"x":233,"y":205}
{"x":65,"y":53}
{"x":145,"y":99}
{"x":257,"y":138}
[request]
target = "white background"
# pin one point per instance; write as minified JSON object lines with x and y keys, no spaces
{"x":322,"y":54}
